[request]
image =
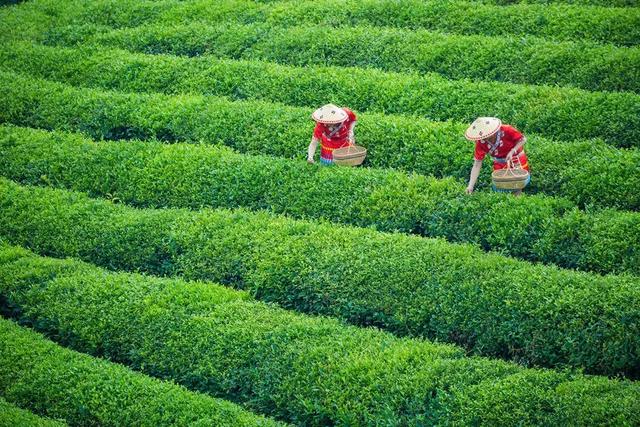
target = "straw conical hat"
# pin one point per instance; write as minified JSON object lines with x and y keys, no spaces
{"x":482,"y":127}
{"x":329,"y":114}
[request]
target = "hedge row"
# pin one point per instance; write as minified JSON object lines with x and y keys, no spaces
{"x":557,"y":22}
{"x":48,"y":379}
{"x":604,"y":25}
{"x":310,"y":371}
{"x":520,"y":60}
{"x":490,"y":304}
{"x":587,"y":172}
{"x":156,"y":175}
{"x":34,"y":19}
{"x":12,"y":416}
{"x":562,"y":113}
{"x":606,"y":3}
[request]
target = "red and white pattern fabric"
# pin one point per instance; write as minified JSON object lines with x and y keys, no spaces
{"x":339,"y":138}
{"x":507,"y":138}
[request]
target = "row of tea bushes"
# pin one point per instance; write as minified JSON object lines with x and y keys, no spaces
{"x":307,"y":370}
{"x":556,"y":22}
{"x":561,"y":113}
{"x":586,"y":172}
{"x":37,"y":374}
{"x":150,"y":174}
{"x":605,"y":3}
{"x":531,"y":60}
{"x":33,"y":19}
{"x":11,"y":416}
{"x":491,"y":304}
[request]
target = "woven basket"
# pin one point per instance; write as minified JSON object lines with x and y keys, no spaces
{"x":352,"y":155}
{"x":510,"y":178}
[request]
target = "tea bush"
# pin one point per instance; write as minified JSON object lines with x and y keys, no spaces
{"x":11,"y":416}
{"x":530,"y":60}
{"x":307,"y":370}
{"x":587,"y":171}
{"x":561,"y":113}
{"x":82,"y":390}
{"x":149,"y":174}
{"x":556,"y":22}
{"x":491,"y":304}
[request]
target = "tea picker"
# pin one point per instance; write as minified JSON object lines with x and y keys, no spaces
{"x":334,"y":132}
{"x":504,"y":144}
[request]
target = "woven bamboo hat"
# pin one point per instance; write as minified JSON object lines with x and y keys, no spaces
{"x":482,"y":127}
{"x":329,"y":114}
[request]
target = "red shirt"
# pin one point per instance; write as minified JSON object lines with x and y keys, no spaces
{"x":339,"y":139}
{"x":507,"y":139}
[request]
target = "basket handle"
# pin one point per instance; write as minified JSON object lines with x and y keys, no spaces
{"x":346,"y":144}
{"x":514,"y":162}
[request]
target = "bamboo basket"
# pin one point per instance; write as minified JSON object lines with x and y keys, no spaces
{"x":513,"y":177}
{"x":353,"y":155}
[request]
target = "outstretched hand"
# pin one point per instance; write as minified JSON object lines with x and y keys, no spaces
{"x":469,"y":190}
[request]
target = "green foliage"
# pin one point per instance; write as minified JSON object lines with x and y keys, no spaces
{"x":606,"y":3}
{"x":307,"y":370}
{"x":83,"y":390}
{"x":239,"y":62}
{"x":588,"y":171}
{"x":488,"y":303}
{"x":605,"y":25}
{"x":554,"y":22}
{"x":34,"y":18}
{"x":12,"y":416}
{"x":562,"y":113}
{"x":527,"y":60}
{"x":149,"y":174}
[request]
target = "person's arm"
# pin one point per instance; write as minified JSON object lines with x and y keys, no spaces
{"x":475,"y":172}
{"x":517,"y":147}
{"x":311,"y":152}
{"x":352,"y":137}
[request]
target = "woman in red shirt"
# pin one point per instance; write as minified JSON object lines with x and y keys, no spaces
{"x":334,"y":129}
{"x":502,"y":142}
